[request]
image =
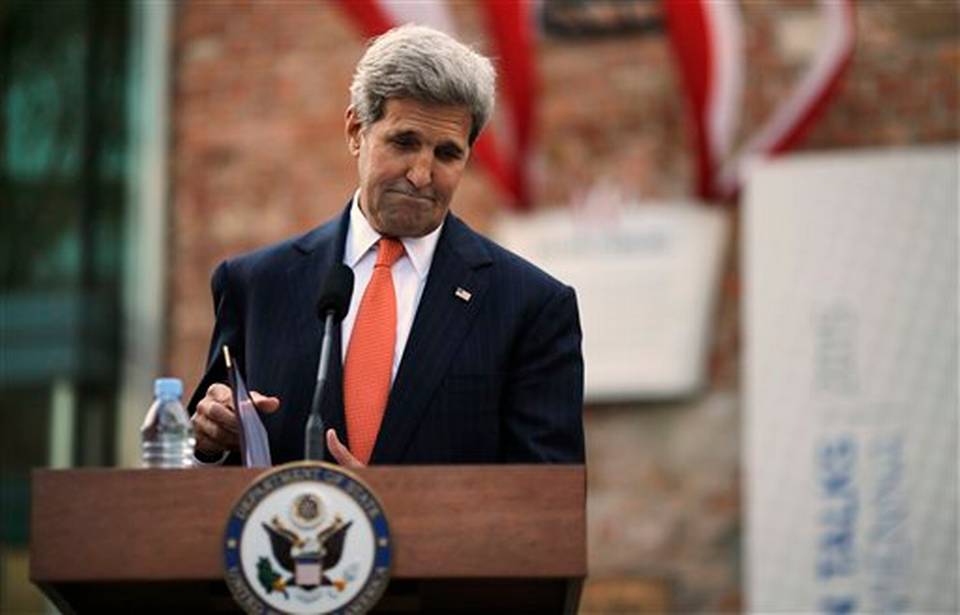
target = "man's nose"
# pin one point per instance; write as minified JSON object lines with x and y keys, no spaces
{"x":419,"y":173}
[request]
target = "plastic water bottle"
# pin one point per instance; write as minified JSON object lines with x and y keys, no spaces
{"x":166,"y":437}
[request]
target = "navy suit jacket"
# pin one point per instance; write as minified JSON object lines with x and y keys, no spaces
{"x":496,"y":379}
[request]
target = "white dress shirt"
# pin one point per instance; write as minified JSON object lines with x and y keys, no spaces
{"x":409,"y":276}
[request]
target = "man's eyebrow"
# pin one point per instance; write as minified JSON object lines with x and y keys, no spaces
{"x":403,"y":132}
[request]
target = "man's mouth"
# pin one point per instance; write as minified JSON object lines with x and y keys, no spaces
{"x":409,"y":195}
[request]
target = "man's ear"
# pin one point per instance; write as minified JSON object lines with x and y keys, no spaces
{"x":352,"y":128}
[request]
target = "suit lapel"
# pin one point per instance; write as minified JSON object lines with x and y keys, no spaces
{"x":318,"y":251}
{"x":441,"y":322}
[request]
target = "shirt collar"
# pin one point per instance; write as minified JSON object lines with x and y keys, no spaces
{"x":361,"y":237}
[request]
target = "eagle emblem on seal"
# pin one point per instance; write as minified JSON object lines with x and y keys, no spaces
{"x":307,"y":557}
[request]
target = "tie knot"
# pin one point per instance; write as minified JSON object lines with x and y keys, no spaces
{"x":388,"y":252}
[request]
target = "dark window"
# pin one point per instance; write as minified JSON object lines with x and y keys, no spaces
{"x":63,"y":127}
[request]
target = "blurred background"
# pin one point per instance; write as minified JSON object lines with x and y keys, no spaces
{"x":145,"y":141}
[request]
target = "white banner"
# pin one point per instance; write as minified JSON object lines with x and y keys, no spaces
{"x":850,"y":363}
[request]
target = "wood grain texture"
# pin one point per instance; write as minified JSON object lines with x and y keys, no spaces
{"x":445,"y":521}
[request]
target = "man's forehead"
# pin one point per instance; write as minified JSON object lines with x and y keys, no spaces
{"x":403,"y":114}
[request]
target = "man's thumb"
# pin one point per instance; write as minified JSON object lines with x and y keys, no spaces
{"x":264,"y":403}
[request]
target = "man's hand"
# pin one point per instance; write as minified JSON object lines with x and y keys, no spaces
{"x":340,"y":452}
{"x":215,"y":422}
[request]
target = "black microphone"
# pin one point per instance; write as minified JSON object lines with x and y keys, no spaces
{"x":331,"y":308}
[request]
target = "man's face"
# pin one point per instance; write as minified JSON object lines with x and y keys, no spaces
{"x":409,"y":162}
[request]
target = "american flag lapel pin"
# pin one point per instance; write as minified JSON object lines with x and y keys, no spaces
{"x":463,"y":294}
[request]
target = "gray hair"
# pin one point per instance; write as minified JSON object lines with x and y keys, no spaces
{"x":428,"y":66}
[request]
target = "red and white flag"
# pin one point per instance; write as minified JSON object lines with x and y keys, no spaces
{"x":707,"y":38}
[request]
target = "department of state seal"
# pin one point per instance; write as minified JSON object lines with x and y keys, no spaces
{"x":307,"y":538}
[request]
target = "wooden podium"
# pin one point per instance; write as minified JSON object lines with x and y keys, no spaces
{"x":476,"y":539}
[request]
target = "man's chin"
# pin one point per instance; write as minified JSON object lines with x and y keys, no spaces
{"x":409,"y":218}
{"x":408,"y":230}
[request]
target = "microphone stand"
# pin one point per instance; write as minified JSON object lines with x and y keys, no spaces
{"x":314,"y":438}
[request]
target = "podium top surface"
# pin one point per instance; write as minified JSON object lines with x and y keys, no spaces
{"x":445,"y":521}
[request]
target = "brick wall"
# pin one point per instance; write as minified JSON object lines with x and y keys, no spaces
{"x":259,"y":93}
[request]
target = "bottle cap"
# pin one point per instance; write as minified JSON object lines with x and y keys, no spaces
{"x":167,"y":387}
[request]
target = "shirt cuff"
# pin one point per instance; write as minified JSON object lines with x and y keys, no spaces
{"x":201,"y":459}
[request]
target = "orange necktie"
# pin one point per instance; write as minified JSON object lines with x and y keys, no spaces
{"x":366,"y":373}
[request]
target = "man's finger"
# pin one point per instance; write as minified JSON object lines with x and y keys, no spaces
{"x":207,"y":429}
{"x":204,"y":443}
{"x":211,"y":437}
{"x":223,"y":416}
{"x":340,"y":452}
{"x":220,"y":393}
{"x":211,"y":409}
{"x":264,"y":403}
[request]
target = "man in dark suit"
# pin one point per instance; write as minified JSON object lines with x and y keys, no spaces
{"x":453,"y":349}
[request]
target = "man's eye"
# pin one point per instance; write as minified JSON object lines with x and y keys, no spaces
{"x":404,"y":142}
{"x":448,"y":154}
